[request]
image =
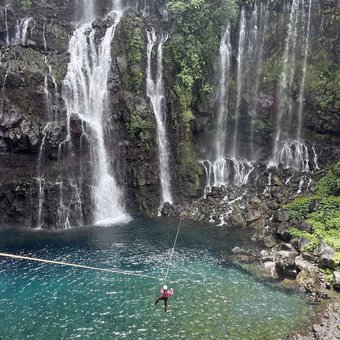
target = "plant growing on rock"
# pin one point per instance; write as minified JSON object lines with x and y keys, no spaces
{"x":325,"y":219}
{"x":26,"y":5}
{"x":198,"y":27}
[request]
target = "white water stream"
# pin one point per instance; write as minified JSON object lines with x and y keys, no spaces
{"x":85,"y":91}
{"x":155,"y":92}
{"x":289,"y":148}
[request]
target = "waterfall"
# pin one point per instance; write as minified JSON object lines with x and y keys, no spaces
{"x":85,"y":92}
{"x":289,"y":148}
{"x":217,"y":173}
{"x":17,"y":34}
{"x":50,"y":108}
{"x":155,"y":92}
{"x":8,"y":42}
{"x":21,"y":31}
{"x":227,"y":169}
{"x":259,"y":26}
{"x":41,"y":186}
{"x":240,"y":59}
{"x":223,"y":94}
{"x":287,"y":75}
{"x":50,"y":118}
{"x":304,"y":66}
{"x":3,"y":92}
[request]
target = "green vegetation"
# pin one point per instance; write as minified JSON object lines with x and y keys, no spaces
{"x":137,"y":127}
{"x":325,"y":221}
{"x":271,"y":70}
{"x":26,"y":5}
{"x":198,"y":25}
{"x":330,"y":184}
{"x":198,"y":28}
{"x":185,"y":99}
{"x":262,"y":126}
{"x":137,"y":124}
{"x":323,"y":81}
{"x":323,"y":75}
{"x":135,"y":58}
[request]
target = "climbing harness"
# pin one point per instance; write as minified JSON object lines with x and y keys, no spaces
{"x":19,"y":257}
{"x":181,"y":218}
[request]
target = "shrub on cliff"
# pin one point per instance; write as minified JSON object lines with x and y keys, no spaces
{"x":322,"y":212}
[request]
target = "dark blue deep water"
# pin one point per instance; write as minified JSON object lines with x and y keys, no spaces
{"x":213,"y":300}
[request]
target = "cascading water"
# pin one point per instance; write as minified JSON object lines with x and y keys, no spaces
{"x":50,"y":106}
{"x":85,"y":92}
{"x":216,"y":172}
{"x":8,"y":41}
{"x":50,"y":116}
{"x":289,"y":148}
{"x":16,"y":34}
{"x":155,"y":92}
{"x":231,"y":164}
{"x":240,"y":60}
{"x":223,"y":95}
{"x":21,"y":34}
{"x":302,"y":87}
{"x":258,"y":29}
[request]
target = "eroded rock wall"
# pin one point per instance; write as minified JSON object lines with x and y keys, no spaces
{"x":33,"y":115}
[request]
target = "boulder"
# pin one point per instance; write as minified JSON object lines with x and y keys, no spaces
{"x":276,"y":181}
{"x":255,"y":201}
{"x":269,"y":241}
{"x":336,"y":280}
{"x":281,"y":216}
{"x":284,"y":258}
{"x":299,"y":242}
{"x":325,"y":254}
{"x":314,"y":205}
{"x":236,"y":250}
{"x":309,"y":280}
{"x":166,"y":209}
{"x":265,"y":256}
{"x":269,"y":270}
{"x":232,"y":196}
{"x":259,"y":224}
{"x":304,"y":265}
{"x":253,"y":215}
{"x":282,"y":231}
{"x":304,"y":226}
{"x":237,"y":220}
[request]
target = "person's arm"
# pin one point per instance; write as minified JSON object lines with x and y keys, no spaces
{"x":171,"y":292}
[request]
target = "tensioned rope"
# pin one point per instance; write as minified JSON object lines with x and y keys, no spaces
{"x":19,"y":257}
{"x":173,"y":248}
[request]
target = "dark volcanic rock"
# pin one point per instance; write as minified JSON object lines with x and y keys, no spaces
{"x":336,"y":280}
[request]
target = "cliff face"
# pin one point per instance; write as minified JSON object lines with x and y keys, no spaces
{"x":46,"y":182}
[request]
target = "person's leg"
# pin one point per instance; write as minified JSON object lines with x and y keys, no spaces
{"x":165,"y":304}
{"x":157,"y":301}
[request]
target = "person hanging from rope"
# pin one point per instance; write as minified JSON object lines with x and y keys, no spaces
{"x":165,"y":294}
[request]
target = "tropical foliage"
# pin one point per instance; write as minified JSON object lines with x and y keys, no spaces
{"x":325,"y":221}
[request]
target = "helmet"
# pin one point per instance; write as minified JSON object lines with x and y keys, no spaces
{"x":165,"y":287}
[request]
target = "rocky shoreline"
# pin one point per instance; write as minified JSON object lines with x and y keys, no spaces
{"x":259,"y":211}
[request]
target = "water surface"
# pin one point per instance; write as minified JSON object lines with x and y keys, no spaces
{"x":213,"y":300}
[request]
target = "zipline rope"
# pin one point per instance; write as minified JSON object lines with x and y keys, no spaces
{"x":19,"y":257}
{"x":173,"y":248}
